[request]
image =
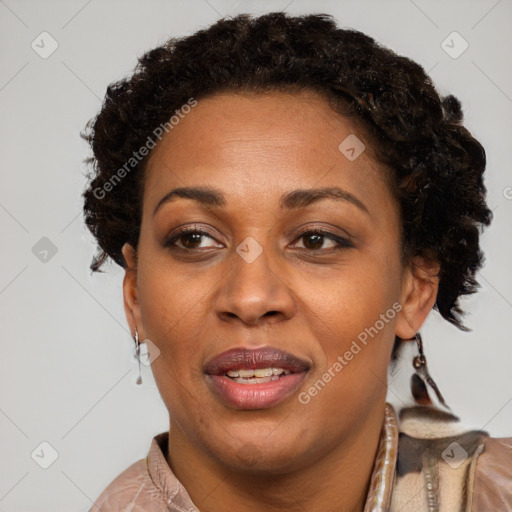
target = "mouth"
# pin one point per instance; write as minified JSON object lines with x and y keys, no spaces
{"x":255,"y":379}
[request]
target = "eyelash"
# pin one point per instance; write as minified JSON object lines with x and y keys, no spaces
{"x":343,"y":243}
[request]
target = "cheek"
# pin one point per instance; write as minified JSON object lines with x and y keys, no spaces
{"x":356,"y":341}
{"x":172,"y":311}
{"x":357,"y":315}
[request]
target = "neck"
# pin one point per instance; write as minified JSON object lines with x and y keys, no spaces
{"x":337,"y":480}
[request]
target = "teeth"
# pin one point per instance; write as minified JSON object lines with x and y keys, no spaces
{"x":257,"y":380}
{"x":258,"y":374}
{"x":263,"y":372}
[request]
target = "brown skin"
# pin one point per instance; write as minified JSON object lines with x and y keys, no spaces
{"x":317,"y":456}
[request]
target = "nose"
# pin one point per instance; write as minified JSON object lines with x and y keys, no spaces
{"x":255,"y":292}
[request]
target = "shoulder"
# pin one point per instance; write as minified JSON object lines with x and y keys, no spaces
{"x":136,"y":489}
{"x":128,"y":491}
{"x":449,"y":464}
{"x":493,"y":476}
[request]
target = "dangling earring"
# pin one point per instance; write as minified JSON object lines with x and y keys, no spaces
{"x":418,"y":386}
{"x":137,"y":353}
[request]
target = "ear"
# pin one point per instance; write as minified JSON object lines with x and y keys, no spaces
{"x":419,"y":293}
{"x":130,"y":291}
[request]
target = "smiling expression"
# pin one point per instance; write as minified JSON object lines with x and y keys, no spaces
{"x":260,"y":239}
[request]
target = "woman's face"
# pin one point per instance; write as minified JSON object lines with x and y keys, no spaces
{"x":304,"y":288}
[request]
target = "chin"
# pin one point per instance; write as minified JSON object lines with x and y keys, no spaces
{"x":257,"y":459}
{"x":261,"y":450}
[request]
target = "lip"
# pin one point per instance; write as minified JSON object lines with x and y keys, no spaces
{"x":254,"y":396}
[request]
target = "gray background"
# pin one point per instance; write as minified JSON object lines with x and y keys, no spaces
{"x":68,"y":373}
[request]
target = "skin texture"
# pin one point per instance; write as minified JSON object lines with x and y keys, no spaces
{"x":195,"y":305}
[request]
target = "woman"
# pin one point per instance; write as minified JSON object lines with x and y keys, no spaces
{"x":289,"y":201}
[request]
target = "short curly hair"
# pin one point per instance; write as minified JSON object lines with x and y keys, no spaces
{"x":434,"y":164}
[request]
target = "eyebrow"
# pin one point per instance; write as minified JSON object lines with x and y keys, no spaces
{"x":294,"y":199}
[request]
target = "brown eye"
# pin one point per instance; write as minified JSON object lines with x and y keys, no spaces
{"x":314,"y":240}
{"x":188,"y":239}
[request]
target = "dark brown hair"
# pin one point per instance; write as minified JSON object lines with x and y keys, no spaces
{"x":436,"y":166}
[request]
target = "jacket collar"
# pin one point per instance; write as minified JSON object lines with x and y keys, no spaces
{"x":379,"y":494}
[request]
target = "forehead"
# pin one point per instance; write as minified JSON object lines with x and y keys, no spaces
{"x":253,"y":145}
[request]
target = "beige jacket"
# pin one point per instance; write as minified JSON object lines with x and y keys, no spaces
{"x":426,"y":462}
